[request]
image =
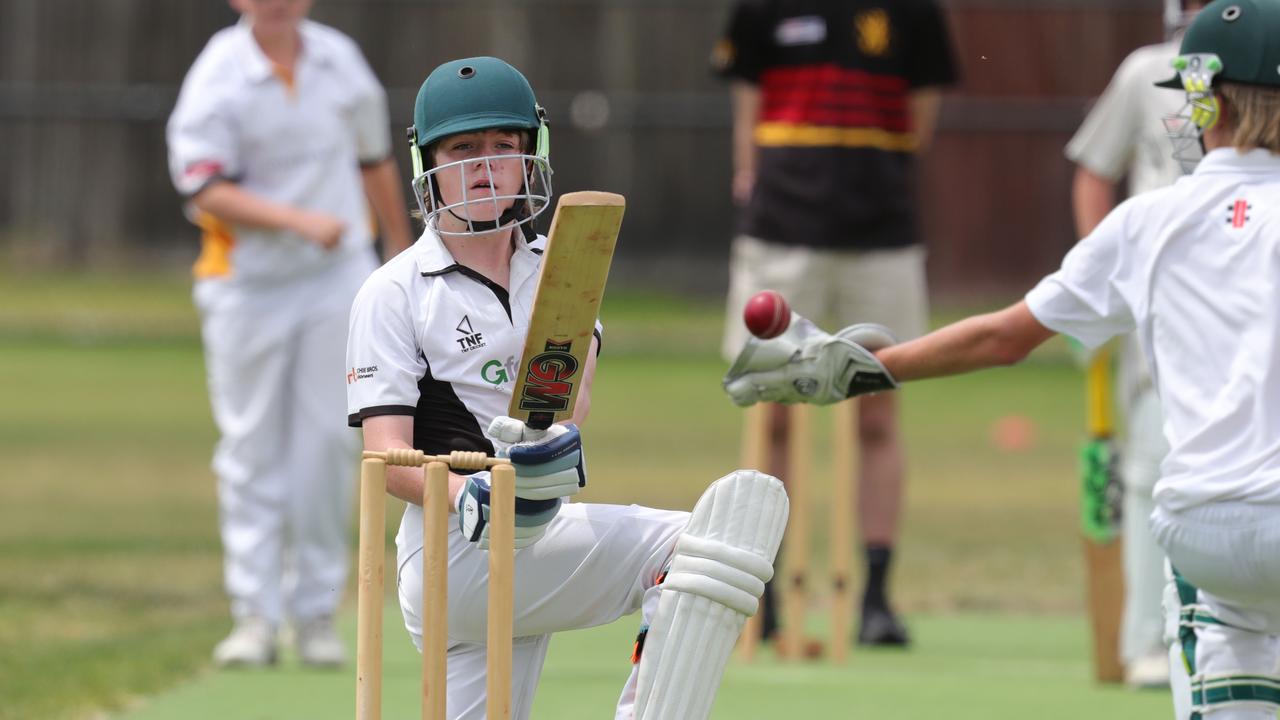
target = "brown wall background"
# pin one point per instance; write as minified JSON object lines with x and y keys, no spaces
{"x":86,"y":85}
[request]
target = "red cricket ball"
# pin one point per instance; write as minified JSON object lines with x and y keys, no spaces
{"x":767,"y":314}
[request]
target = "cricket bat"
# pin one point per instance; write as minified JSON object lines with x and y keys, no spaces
{"x":1103,"y":493}
{"x":575,"y":266}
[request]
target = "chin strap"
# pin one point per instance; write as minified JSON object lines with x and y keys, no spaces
{"x":507,"y":217}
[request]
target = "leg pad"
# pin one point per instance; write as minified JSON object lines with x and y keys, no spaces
{"x":713,"y":585}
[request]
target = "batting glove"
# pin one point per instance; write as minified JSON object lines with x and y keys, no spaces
{"x":532,"y":516}
{"x":548,"y":463}
{"x":810,"y":366}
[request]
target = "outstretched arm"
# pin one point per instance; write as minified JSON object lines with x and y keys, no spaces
{"x":810,"y":366}
{"x":1004,"y":337}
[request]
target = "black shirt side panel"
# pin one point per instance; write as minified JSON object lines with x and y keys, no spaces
{"x":441,"y":423}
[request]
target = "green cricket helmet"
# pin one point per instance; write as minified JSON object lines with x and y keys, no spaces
{"x":469,"y":95}
{"x":1229,"y":40}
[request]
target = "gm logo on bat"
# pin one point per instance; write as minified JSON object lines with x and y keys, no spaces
{"x":549,"y":379}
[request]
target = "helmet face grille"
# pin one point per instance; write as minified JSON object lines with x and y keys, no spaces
{"x":510,"y":210}
{"x":473,"y":95}
{"x":1186,"y":127}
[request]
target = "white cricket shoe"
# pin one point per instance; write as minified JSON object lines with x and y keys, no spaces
{"x":1148,"y":671}
{"x":319,"y":644}
{"x":252,"y":643}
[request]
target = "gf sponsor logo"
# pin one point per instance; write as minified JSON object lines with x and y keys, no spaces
{"x":357,"y":374}
{"x":470,"y":340}
{"x":497,"y":373}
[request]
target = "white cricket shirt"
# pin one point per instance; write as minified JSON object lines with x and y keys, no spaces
{"x":1124,"y":133}
{"x":297,"y":140}
{"x":440,"y":342}
{"x":1195,"y":269}
{"x":436,"y":340}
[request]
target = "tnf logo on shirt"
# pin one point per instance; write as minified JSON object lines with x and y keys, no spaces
{"x":873,"y":32}
{"x":470,"y":340}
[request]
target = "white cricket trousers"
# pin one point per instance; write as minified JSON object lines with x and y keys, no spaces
{"x":1223,"y":610}
{"x":286,"y":460}
{"x":595,"y":564}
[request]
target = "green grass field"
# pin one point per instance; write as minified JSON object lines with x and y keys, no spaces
{"x":110,"y":573}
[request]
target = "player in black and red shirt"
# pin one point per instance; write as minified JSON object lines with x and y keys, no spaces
{"x":832,"y":101}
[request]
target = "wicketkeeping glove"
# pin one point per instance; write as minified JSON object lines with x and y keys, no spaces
{"x":807,"y":365}
{"x":548,"y":463}
{"x":532,"y":516}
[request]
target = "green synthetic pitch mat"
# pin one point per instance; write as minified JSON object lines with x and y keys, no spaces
{"x":962,"y":666}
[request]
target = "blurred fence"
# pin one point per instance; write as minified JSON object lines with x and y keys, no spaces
{"x":86,"y":86}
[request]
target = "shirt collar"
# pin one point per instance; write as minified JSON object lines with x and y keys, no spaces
{"x":433,"y":258}
{"x":1230,"y":160}
{"x":258,"y":67}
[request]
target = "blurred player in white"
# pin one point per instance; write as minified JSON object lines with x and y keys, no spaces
{"x":1124,"y":137}
{"x":1193,"y":269}
{"x":279,"y":142}
{"x":435,"y":341}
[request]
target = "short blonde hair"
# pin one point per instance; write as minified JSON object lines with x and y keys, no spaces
{"x":1255,"y":115}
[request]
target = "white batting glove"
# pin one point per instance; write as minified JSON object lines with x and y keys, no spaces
{"x":532,"y":516}
{"x":548,"y":463}
{"x":810,"y":366}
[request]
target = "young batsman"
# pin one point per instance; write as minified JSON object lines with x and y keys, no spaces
{"x":1193,"y":269}
{"x":279,"y":142}
{"x":435,"y":336}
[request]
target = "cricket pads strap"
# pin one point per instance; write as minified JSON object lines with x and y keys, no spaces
{"x":714,"y":582}
{"x":732,"y":577}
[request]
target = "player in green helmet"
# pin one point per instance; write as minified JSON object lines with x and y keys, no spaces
{"x":436,"y":335}
{"x":464,"y":97}
{"x":1233,"y":54}
{"x":1194,"y":269}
